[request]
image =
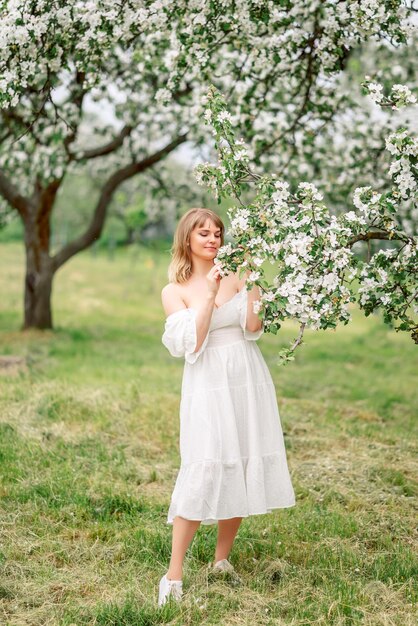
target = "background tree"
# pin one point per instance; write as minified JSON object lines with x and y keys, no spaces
{"x":149,"y":63}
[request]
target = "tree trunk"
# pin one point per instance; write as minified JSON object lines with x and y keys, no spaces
{"x":38,"y":291}
{"x":38,"y":279}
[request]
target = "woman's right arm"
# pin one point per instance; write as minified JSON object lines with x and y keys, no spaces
{"x":204,"y":312}
{"x":172,"y":302}
{"x":203,"y":318}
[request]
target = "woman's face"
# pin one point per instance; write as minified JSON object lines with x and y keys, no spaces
{"x":205,"y":240}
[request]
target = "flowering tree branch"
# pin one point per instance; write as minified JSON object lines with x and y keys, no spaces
{"x":14,"y":198}
{"x":311,"y":249}
{"x":94,"y":229}
{"x":107,"y":148}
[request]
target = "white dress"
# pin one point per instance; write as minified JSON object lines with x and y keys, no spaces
{"x":233,"y":459}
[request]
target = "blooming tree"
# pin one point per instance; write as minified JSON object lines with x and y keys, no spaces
{"x":310,"y":248}
{"x":351,"y":151}
{"x":149,"y":62}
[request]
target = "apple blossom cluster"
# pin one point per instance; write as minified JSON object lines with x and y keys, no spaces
{"x":311,"y":249}
{"x":389,"y":281}
{"x":399,"y":96}
{"x":404,"y":168}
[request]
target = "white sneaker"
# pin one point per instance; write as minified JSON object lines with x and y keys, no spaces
{"x":169,"y":588}
{"x":223,"y":566}
{"x":226,"y":571}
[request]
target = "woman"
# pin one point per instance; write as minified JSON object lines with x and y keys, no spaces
{"x":233,"y":460}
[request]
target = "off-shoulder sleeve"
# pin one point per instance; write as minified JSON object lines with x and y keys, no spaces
{"x":180,"y":336}
{"x":242,"y":306}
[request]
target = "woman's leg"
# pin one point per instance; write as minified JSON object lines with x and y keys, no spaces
{"x":227,"y":529}
{"x":183,"y":533}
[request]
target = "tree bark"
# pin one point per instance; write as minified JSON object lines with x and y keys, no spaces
{"x":38,"y":291}
{"x":39,"y":270}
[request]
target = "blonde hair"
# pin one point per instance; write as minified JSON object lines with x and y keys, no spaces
{"x":180,"y":268}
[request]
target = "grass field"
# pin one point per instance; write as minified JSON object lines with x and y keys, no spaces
{"x":89,"y":455}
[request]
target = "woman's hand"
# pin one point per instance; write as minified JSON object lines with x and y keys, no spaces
{"x":213,"y":278}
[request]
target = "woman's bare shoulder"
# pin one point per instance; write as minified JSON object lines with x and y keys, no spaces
{"x":171,"y":299}
{"x":168,"y":289}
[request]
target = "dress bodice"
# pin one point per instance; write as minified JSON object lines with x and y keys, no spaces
{"x":227,"y":322}
{"x":228,"y":314}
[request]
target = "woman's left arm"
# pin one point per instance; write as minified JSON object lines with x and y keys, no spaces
{"x":253,"y":322}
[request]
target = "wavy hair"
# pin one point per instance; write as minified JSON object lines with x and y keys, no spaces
{"x":180,"y":268}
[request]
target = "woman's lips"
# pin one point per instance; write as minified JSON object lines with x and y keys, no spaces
{"x":210,"y":248}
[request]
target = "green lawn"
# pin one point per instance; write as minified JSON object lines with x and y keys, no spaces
{"x":89,"y":455}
